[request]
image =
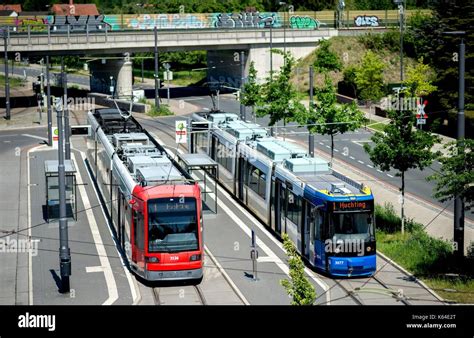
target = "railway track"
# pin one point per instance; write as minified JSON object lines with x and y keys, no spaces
{"x":176,"y":295}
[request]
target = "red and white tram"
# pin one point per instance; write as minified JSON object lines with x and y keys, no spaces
{"x":153,"y":204}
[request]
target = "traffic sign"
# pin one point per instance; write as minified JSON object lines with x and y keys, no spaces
{"x":181,"y":131}
{"x":55,"y":133}
{"x":421,"y":116}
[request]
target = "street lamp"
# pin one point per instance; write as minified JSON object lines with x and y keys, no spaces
{"x":400,"y":4}
{"x":112,"y":87}
{"x":458,"y":235}
{"x":7,"y":79}
{"x":282,"y":3}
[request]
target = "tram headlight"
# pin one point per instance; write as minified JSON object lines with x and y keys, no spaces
{"x":196,"y":257}
{"x":369,"y":249}
{"x":152,"y":259}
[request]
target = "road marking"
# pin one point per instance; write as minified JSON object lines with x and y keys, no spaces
{"x":336,"y":150}
{"x":136,"y":296}
{"x":226,"y":276}
{"x":321,"y":143}
{"x":370,"y":166}
{"x":440,"y":163}
{"x":257,"y":223}
{"x":328,"y":147}
{"x":99,"y":245}
{"x":358,"y":142}
{"x":352,"y":157}
{"x":380,"y":171}
{"x":361,"y":162}
{"x":36,"y":137}
{"x":390,"y":175}
{"x":90,"y":269}
{"x":7,"y":141}
{"x":194,"y":99}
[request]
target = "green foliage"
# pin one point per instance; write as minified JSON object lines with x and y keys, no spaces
{"x":328,"y":117}
{"x":326,"y":60}
{"x":388,"y":221}
{"x":438,"y":49}
{"x":402,"y":147}
{"x":456,"y":176}
{"x":280,"y":95}
{"x":251,"y":96}
{"x":381,"y":41}
{"x":298,"y":287}
{"x":369,"y":77}
{"x":164,"y":110}
{"x":71,"y":62}
{"x":418,"y":81}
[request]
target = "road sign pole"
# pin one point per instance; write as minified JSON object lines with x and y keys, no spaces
{"x":254,"y":256}
{"x":64,"y":252}
{"x":242,"y":80}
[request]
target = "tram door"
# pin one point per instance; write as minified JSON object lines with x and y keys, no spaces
{"x":278,"y":205}
{"x":138,"y":240}
{"x":316,"y":229}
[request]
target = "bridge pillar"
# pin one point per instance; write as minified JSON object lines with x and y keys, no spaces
{"x":107,"y":74}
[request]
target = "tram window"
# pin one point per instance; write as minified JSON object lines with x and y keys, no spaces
{"x":319,"y":225}
{"x":140,"y":232}
{"x":256,"y":180}
{"x":294,"y":208}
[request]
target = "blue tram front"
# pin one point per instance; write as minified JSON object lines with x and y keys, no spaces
{"x":328,"y":216}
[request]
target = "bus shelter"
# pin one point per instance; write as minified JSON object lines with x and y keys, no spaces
{"x":52,"y":190}
{"x":201,"y":167}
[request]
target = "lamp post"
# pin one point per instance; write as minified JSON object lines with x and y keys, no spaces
{"x":157,"y":84}
{"x":458,"y":235}
{"x":400,"y":4}
{"x":7,"y":78}
{"x":282,"y":3}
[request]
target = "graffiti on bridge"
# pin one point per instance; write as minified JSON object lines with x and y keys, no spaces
{"x":80,"y":23}
{"x":149,"y":21}
{"x":366,"y":21}
{"x":304,"y":22}
{"x":245,"y":20}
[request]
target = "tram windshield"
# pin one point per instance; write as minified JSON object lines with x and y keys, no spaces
{"x":358,"y":225}
{"x":172,"y":225}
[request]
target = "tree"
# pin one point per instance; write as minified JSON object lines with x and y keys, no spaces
{"x":251,"y":94}
{"x":326,"y":60}
{"x":327,"y":117}
{"x":369,"y":78}
{"x":456,"y":177}
{"x":280,"y":96}
{"x":402,"y":147}
{"x":298,"y":287}
{"x":419,"y":80}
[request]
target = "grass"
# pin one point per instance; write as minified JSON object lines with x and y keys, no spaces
{"x":180,"y":77}
{"x":380,"y":126}
{"x":429,"y":259}
{"x":164,"y":110}
{"x":14,"y":82}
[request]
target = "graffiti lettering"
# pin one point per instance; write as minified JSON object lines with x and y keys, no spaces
{"x":364,"y":20}
{"x":166,"y":21}
{"x":78,"y":23}
{"x":303,"y":22}
{"x":245,"y":20}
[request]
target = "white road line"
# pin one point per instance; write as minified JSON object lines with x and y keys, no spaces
{"x":36,"y":137}
{"x":352,"y":157}
{"x":248,"y":232}
{"x":30,"y":258}
{"x":440,"y":163}
{"x":380,"y":171}
{"x":361,"y":162}
{"x":136,"y":296}
{"x":336,"y":150}
{"x":226,"y":276}
{"x":390,"y":175}
{"x":321,"y":143}
{"x":99,"y":245}
{"x":370,"y":166}
{"x":328,"y":147}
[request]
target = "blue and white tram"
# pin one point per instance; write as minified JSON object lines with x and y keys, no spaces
{"x":328,"y":216}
